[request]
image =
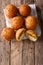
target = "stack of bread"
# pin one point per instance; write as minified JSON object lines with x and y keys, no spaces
{"x":22,"y":23}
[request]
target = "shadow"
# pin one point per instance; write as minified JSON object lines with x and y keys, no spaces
{"x":40,"y":22}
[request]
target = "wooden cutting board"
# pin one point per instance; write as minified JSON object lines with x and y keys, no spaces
{"x":24,"y":52}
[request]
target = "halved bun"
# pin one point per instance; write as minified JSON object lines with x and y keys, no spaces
{"x":31,"y":35}
{"x":20,"y":34}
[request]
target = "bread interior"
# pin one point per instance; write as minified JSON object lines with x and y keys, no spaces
{"x":32,"y":38}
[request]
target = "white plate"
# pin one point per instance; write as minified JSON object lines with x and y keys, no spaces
{"x":34,"y":13}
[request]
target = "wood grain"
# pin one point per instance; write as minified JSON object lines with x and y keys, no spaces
{"x":39,"y":52}
{"x":16,"y":53}
{"x":4,"y":45}
{"x":39,"y":3}
{"x":39,"y":43}
{"x":25,"y":55}
{"x":19,"y":2}
{"x":4,"y":53}
{"x":22,"y":53}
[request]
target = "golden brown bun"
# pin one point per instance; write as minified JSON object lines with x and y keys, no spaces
{"x":8,"y":34}
{"x":24,"y":10}
{"x":31,"y":22}
{"x":17,"y":22}
{"x":31,"y":35}
{"x":10,"y":10}
{"x":20,"y":34}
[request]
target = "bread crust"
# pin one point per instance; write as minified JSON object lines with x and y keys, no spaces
{"x":17,"y":22}
{"x":10,"y":11}
{"x":19,"y":34}
{"x":24,"y":10}
{"x":31,"y":34}
{"x":31,"y":22}
{"x":8,"y":34}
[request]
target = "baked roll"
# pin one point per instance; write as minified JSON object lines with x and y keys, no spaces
{"x":8,"y":34}
{"x":20,"y":34}
{"x":17,"y":22}
{"x":24,"y":10}
{"x":31,"y":22}
{"x":31,"y":35}
{"x":10,"y":11}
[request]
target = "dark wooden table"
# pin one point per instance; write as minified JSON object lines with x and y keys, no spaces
{"x":24,"y":52}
